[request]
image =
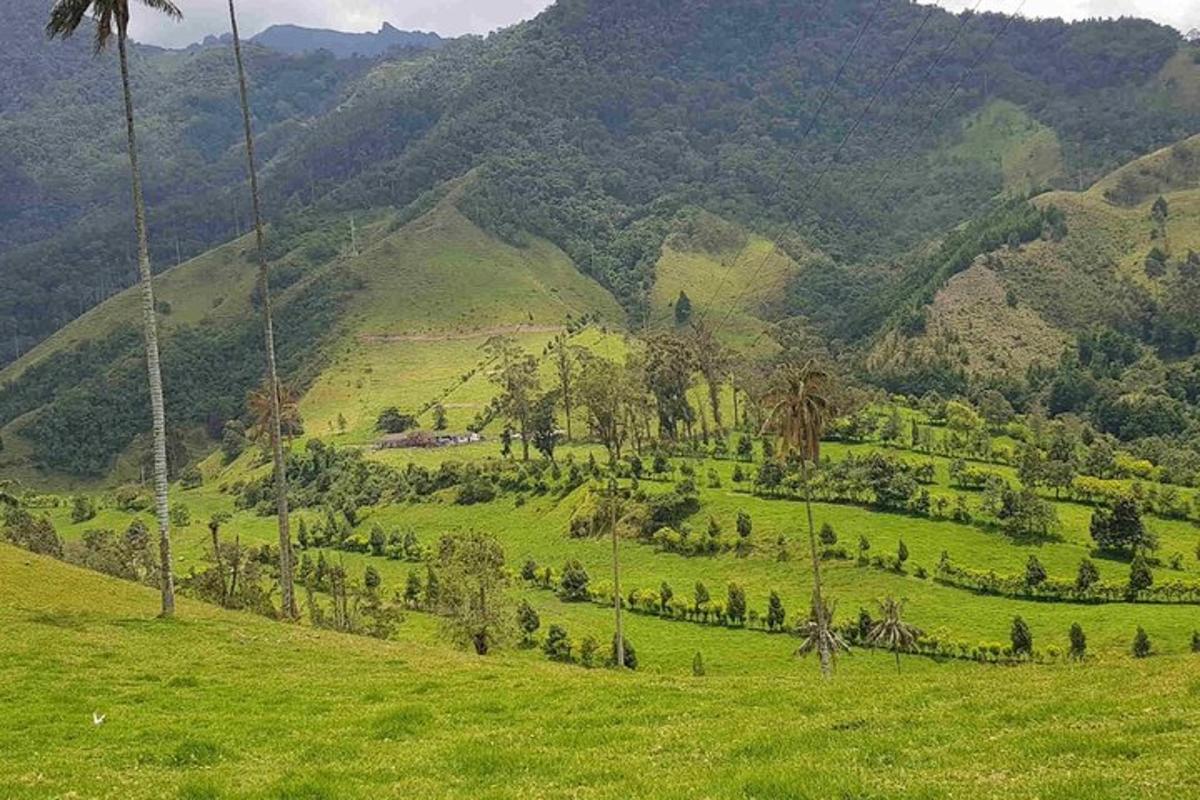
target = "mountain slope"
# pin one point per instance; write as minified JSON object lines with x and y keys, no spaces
{"x":413,"y":289}
{"x":1120,"y":267}
{"x":593,"y":124}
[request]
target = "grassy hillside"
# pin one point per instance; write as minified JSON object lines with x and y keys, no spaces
{"x":1027,"y":153}
{"x":224,"y":705}
{"x":399,"y":323}
{"x":735,"y":281}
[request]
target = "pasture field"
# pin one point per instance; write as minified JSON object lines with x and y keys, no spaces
{"x":225,"y":705}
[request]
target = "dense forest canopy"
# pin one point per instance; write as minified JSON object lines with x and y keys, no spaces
{"x":595,"y":119}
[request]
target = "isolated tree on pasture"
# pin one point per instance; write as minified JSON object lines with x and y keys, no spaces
{"x":1035,"y":573}
{"x":683,"y":308}
{"x":470,"y":586}
{"x":891,"y":631}
{"x":528,"y":621}
{"x":798,"y":409}
{"x":274,"y":386}
{"x":1078,"y":648}
{"x":603,"y":389}
{"x":1087,"y":575}
{"x":776,"y":615}
{"x":1142,"y":646}
{"x":112,"y":17}
{"x":735,"y":604}
{"x":1141,"y":577}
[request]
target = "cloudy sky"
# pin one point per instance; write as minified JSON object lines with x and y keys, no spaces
{"x":454,"y":17}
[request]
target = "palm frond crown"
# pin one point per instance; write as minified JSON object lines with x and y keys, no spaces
{"x":798,"y":409}
{"x":67,"y":15}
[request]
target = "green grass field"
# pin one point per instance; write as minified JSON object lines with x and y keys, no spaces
{"x":225,"y":705}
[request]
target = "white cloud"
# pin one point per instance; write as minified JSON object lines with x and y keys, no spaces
{"x":455,"y":17}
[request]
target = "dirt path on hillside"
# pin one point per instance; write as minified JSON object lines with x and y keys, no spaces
{"x":454,"y":336}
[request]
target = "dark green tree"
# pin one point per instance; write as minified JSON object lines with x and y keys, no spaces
{"x":1035,"y":573}
{"x":1078,"y":649}
{"x":1087,"y":575}
{"x":776,"y":615}
{"x":1022,"y":638}
{"x":683,"y":309}
{"x":1142,"y":647}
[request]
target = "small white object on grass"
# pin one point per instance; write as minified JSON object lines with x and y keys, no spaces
{"x":98,"y":718}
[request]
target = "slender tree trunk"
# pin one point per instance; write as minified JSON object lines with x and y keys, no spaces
{"x":714,"y":400}
{"x":150,"y":332}
{"x":612,"y":510}
{"x":286,"y":579}
{"x":237,"y":565}
{"x":818,"y":603}
{"x":216,"y":541}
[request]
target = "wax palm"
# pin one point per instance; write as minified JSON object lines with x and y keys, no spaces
{"x":817,"y":634}
{"x":262,"y":403}
{"x":274,"y":422}
{"x":112,"y":17}
{"x":798,"y":409}
{"x":891,"y":631}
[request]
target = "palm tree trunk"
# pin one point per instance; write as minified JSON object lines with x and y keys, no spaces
{"x":818,"y":604}
{"x":216,"y":542}
{"x":150,"y":332}
{"x":620,"y":642}
{"x":286,"y":580}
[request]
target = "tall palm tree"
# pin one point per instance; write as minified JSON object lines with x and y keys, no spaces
{"x":286,"y":586}
{"x":891,"y":631}
{"x":798,"y":409}
{"x":65,"y":18}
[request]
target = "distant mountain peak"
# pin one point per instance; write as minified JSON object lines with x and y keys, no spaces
{"x":295,"y":39}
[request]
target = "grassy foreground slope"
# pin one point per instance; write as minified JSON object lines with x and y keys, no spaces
{"x":221,"y":705}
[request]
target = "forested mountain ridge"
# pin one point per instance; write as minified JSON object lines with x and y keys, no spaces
{"x":592,"y":123}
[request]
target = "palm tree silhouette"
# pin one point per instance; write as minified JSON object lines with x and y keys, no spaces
{"x":891,"y":631}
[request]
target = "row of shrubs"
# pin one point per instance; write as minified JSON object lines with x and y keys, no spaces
{"x":572,"y":584}
{"x":1087,"y":587}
